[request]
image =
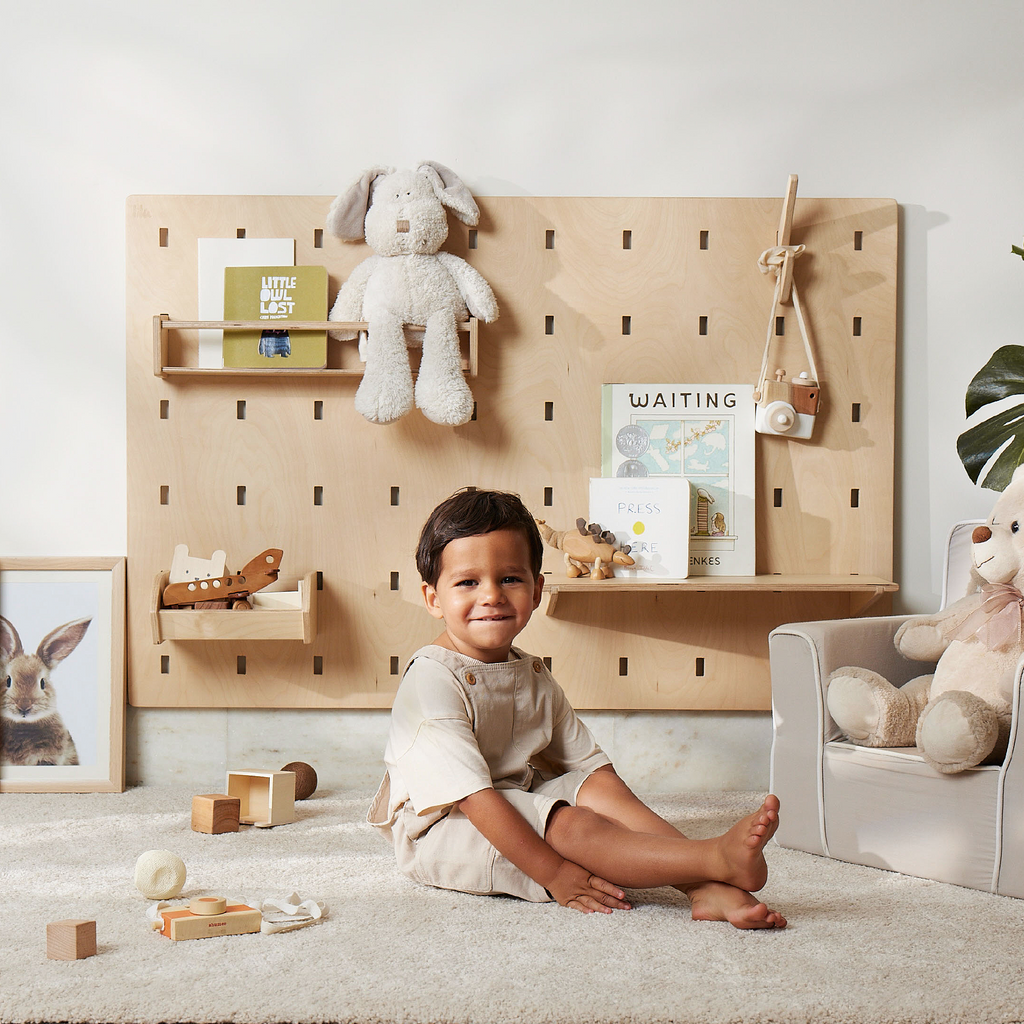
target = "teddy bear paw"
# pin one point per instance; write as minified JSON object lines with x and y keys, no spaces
{"x":868,"y":708}
{"x":957,"y":731}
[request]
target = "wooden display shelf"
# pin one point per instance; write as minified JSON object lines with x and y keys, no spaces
{"x":226,"y":624}
{"x":163,"y":324}
{"x":864,"y":591}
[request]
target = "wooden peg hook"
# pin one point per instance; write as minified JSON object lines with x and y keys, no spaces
{"x":782,"y":238}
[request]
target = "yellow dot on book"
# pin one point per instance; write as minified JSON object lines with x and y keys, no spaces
{"x":638,"y":528}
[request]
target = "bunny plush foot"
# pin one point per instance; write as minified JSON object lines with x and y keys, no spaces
{"x":869,"y":709}
{"x":441,"y":391}
{"x":385,"y":393}
{"x":957,"y":730}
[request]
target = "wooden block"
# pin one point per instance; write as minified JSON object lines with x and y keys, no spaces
{"x":238,"y":919}
{"x":214,"y":813}
{"x":266,"y":798}
{"x":70,"y":940}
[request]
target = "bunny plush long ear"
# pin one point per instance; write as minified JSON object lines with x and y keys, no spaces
{"x":347,"y":213}
{"x":449,"y":188}
{"x":10,"y":642}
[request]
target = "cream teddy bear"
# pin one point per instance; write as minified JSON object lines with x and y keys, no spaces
{"x":959,"y":716}
{"x":402,"y":215}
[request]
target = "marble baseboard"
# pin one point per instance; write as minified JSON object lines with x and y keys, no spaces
{"x":655,"y":752}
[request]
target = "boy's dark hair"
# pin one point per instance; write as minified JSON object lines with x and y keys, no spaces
{"x":468,"y":513}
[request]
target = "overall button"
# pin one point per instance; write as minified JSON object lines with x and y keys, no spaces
{"x":537,"y":666}
{"x":471,"y":679}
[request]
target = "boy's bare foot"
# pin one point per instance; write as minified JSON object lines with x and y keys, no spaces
{"x":742,"y":847}
{"x":716,"y":901}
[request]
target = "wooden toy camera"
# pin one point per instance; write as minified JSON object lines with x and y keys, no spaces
{"x":787,"y":407}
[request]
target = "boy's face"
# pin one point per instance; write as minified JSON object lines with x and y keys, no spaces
{"x":485,"y":593}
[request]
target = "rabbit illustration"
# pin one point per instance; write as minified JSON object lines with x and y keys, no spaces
{"x":32,"y":731}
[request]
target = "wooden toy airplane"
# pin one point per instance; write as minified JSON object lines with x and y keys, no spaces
{"x":258,"y":573}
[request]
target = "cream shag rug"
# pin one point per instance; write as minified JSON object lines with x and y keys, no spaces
{"x":863,"y":945}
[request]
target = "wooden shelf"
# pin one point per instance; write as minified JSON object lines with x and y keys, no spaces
{"x":226,"y":624}
{"x":864,"y":591}
{"x":163,"y":324}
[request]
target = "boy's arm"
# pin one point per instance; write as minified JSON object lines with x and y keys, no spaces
{"x":511,"y":835}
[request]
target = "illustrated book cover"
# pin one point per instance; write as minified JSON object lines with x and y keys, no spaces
{"x":275,"y":295}
{"x":214,"y":254}
{"x":703,"y":433}
{"x":650,"y":514}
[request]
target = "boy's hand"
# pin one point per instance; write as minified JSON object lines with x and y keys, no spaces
{"x":578,"y":889}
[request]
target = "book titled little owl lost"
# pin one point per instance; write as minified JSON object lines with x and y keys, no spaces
{"x":703,"y":433}
{"x":275,"y":295}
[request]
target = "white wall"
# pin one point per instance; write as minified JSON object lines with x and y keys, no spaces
{"x":919,"y":101}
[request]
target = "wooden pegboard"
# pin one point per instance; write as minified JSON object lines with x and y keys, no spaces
{"x":346,"y":499}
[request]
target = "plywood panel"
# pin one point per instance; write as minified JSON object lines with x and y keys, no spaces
{"x":559,"y":337}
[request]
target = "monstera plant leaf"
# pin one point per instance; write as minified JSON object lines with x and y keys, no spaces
{"x":1001,"y":377}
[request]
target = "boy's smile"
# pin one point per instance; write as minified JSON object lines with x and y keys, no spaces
{"x":485,"y":593}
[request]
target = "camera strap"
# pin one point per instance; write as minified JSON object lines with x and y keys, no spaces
{"x":774,"y":261}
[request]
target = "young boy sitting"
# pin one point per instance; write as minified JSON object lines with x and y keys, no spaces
{"x":494,"y":785}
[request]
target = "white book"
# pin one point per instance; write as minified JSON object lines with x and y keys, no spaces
{"x":703,"y":433}
{"x":652,"y":516}
{"x":214,"y":255}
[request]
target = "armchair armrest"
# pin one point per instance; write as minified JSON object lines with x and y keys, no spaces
{"x":802,"y":655}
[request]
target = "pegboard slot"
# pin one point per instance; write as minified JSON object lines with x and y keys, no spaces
{"x":318,"y":494}
{"x":395,"y":496}
{"x":856,"y":326}
{"x":240,"y":409}
{"x":780,"y":326}
{"x":240,"y":665}
{"x":547,"y":661}
{"x":163,"y":238}
{"x":627,"y":239}
{"x":855,"y":412}
{"x":549,"y":411}
{"x":549,"y":239}
{"x":627,"y":325}
{"x":777,"y":497}
{"x":705,"y":237}
{"x":855,"y":497}
{"x":549,"y":324}
{"x":240,"y":494}
{"x":318,"y":664}
{"x":549,"y":497}
{"x":165,"y":664}
{"x":396,"y":581}
{"x":623,"y":666}
{"x":702,"y":326}
{"x":318,"y":409}
{"x":165,"y":494}
{"x":318,"y":238}
{"x":472,"y":238}
{"x":239,"y":232}
{"x":165,"y":409}
{"x":858,"y":240}
{"x":396,"y":664}
{"x":698,"y":668}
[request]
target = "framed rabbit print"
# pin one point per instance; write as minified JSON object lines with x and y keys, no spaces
{"x":62,"y":675}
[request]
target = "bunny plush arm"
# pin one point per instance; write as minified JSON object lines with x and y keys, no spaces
{"x":348,"y":306}
{"x":474,"y":289}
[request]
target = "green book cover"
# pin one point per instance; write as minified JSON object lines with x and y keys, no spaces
{"x":275,"y":295}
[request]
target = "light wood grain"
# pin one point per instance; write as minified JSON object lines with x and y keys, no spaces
{"x":665,"y":282}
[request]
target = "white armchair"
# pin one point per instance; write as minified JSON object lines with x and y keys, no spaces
{"x":884,"y":807}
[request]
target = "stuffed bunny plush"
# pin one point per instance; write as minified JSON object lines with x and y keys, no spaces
{"x":402,"y":215}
